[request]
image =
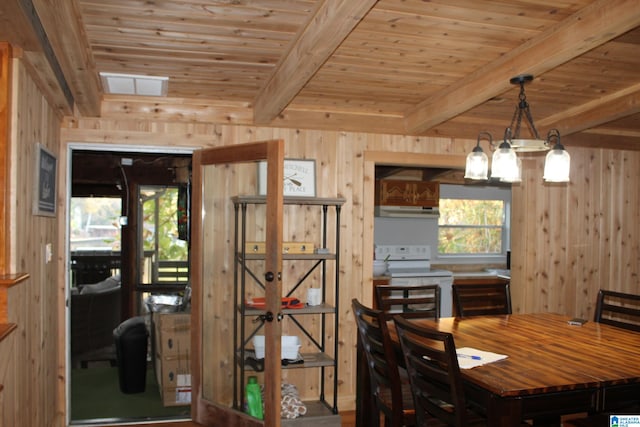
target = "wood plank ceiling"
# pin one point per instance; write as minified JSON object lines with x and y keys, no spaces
{"x":439,"y":67}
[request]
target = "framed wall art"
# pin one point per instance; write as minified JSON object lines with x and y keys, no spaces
{"x":299,"y":178}
{"x":44,"y":191}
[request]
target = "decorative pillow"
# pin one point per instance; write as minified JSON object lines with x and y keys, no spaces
{"x":106,"y":284}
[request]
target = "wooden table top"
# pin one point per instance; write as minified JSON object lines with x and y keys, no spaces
{"x":545,"y":353}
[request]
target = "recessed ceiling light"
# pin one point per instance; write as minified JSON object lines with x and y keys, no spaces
{"x":131,"y":84}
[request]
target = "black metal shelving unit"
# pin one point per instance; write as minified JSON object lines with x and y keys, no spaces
{"x":244,"y":274}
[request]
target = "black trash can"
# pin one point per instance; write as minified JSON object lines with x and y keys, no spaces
{"x":131,"y":338}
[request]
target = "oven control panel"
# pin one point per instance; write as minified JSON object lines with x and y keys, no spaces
{"x":403,"y":252}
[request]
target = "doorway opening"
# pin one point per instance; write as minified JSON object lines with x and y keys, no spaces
{"x":129,"y":250}
{"x":467,"y":235}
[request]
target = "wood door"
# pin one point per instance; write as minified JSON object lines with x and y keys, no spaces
{"x":219,"y":174}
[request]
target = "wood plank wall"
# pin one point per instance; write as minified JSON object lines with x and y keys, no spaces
{"x":567,"y":241}
{"x":35,"y":346}
{"x":570,"y":241}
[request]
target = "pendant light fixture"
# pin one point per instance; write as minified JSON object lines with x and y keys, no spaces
{"x":558,"y":162}
{"x":506,"y":165}
{"x":477,"y":166}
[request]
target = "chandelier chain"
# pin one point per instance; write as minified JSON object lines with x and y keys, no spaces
{"x":522,"y":107}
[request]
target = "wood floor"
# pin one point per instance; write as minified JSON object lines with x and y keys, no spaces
{"x":348,"y":420}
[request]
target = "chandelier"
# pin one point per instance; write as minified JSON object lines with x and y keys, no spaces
{"x":505,"y":164}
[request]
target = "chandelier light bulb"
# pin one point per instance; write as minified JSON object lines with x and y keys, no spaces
{"x":558,"y":162}
{"x":477,"y":165}
{"x":557,"y":165}
{"x":504,"y":162}
{"x":513,"y":174}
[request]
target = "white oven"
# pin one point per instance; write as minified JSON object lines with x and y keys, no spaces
{"x":411,"y":265}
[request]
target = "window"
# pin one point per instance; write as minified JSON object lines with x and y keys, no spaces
{"x":94,"y":239}
{"x":474,"y":221}
{"x":94,"y":223}
{"x":166,"y":251}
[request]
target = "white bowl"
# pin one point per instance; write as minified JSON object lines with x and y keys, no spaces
{"x":379,"y":267}
{"x":290,"y":344}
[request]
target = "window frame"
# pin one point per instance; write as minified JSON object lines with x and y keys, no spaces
{"x":477,"y":192}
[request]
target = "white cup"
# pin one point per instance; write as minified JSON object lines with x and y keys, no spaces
{"x":314,"y":296}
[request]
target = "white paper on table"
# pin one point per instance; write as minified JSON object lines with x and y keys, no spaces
{"x":471,"y":357}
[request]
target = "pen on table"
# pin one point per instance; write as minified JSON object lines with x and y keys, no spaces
{"x":468,"y":356}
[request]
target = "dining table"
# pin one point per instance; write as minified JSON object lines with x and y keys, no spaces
{"x":553,"y":367}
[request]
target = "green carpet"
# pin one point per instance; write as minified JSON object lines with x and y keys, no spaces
{"x":95,"y":394}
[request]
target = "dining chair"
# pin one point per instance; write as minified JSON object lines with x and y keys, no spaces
{"x":618,"y":309}
{"x":391,"y":389}
{"x":432,"y":365}
{"x":482,"y":299}
{"x":621,"y":310}
{"x":409,"y":301}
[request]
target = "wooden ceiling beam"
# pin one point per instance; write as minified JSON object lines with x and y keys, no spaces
{"x":596,"y":24}
{"x":589,"y":139}
{"x":326,"y":29}
{"x":20,"y":26}
{"x":595,"y":113}
{"x":239,"y":113}
{"x":15,"y":27}
{"x":62,"y":22}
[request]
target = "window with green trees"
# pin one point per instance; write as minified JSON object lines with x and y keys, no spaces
{"x":160,"y":224}
{"x":470,"y":226}
{"x":166,"y":249}
{"x":473,"y":221}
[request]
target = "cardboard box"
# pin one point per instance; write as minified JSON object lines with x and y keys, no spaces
{"x":172,"y":334}
{"x":177,"y":396}
{"x":169,"y":370}
{"x":172,"y":362}
{"x":174,"y":379}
